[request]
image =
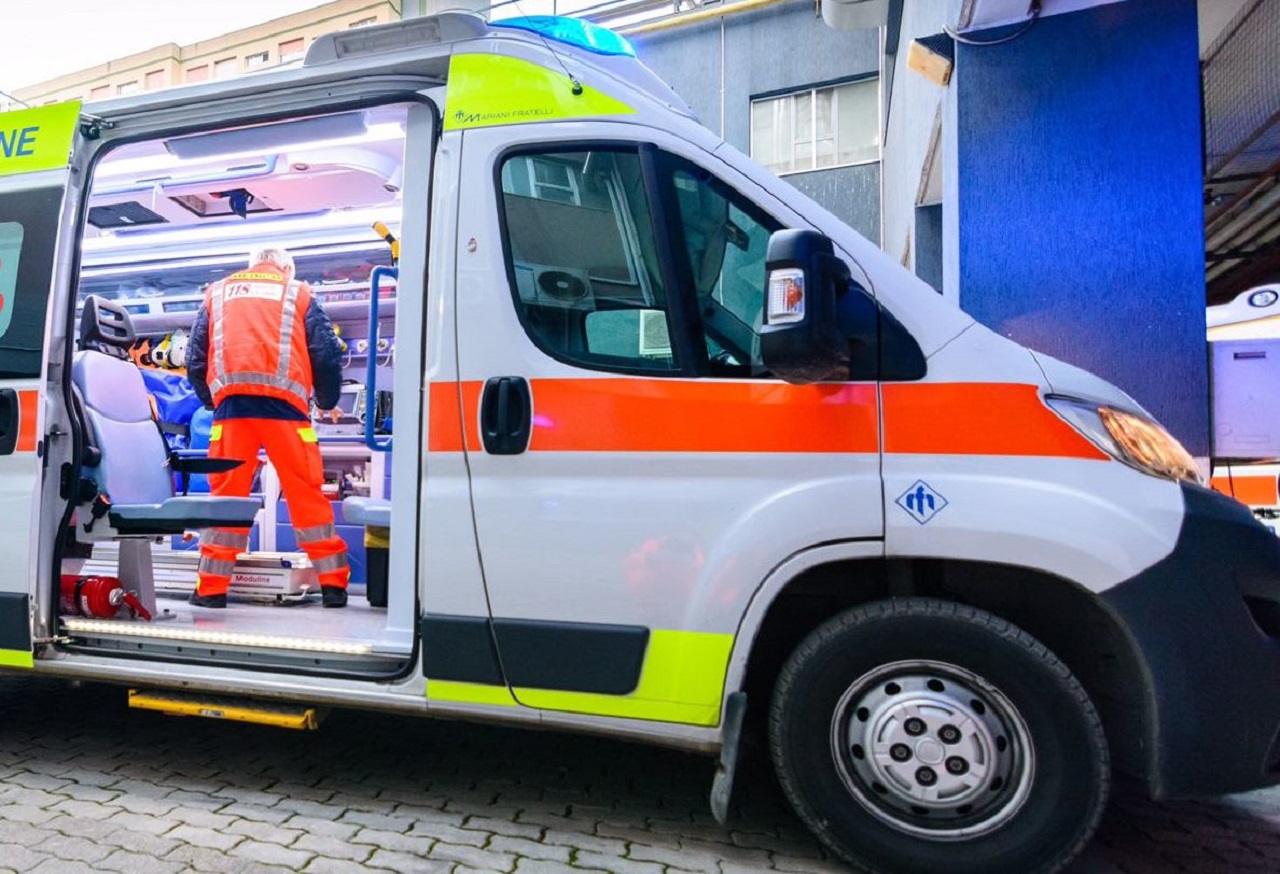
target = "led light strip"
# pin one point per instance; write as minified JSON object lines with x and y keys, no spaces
{"x":226,"y":638}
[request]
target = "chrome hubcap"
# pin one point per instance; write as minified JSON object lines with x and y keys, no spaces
{"x":932,"y":749}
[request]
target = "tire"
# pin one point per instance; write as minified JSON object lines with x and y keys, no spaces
{"x":1004,"y":768}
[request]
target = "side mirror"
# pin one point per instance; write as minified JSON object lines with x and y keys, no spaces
{"x":800,"y":340}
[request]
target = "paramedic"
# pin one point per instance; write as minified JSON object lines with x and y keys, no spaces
{"x":260,"y":346}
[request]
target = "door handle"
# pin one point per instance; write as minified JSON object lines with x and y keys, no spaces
{"x":506,"y":415}
{"x":10,"y":420}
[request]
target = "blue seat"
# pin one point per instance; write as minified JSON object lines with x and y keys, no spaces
{"x":127,"y":457}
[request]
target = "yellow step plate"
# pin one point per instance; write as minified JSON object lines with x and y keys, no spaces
{"x":298,"y":716}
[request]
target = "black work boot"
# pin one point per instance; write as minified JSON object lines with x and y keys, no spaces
{"x":216,"y":602}
{"x":333,"y":596}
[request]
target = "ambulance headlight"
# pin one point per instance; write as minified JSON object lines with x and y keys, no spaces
{"x":1129,"y":437}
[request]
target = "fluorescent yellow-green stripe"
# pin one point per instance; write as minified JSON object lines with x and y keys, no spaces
{"x":468,"y":693}
{"x":486,"y":90}
{"x":37,"y":139}
{"x":16,"y":658}
{"x":682,"y":681}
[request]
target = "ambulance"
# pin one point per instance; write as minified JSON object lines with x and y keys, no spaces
{"x":666,"y":453}
{"x":1244,"y":354}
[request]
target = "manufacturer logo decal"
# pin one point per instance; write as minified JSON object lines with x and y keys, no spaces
{"x":1264,"y":298}
{"x":921,"y":502}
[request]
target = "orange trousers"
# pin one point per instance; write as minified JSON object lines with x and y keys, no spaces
{"x":292,"y":450}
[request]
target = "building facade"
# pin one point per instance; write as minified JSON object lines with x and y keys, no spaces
{"x":269,"y":44}
{"x":776,"y":83}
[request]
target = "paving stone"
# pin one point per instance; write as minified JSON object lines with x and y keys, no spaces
{"x":205,"y":837}
{"x":687,"y":861}
{"x":137,"y":822}
{"x":394,"y":841}
{"x":616,"y":865}
{"x":137,"y":863}
{"x":532,"y":849}
{"x":325,"y":865}
{"x":473,"y":856}
{"x":538,"y":866}
{"x":449,"y":834}
{"x":263,"y":831}
{"x":408,"y":863}
{"x":62,"y":866}
{"x":615,"y":847}
{"x":321,"y":827}
{"x":271,"y":854}
{"x":332,"y":848}
{"x":22,"y":858}
{"x":504,"y":827}
{"x":257,"y":813}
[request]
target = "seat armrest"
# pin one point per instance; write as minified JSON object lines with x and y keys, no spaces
{"x":196,"y":464}
{"x":185,"y":465}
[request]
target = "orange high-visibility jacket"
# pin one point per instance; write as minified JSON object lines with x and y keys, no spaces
{"x":258,"y":339}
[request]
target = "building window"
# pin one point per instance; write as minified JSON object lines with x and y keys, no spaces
{"x":291,"y":50}
{"x":154,"y":80}
{"x":818,"y":127}
{"x":224,"y":68}
{"x":256,"y":60}
{"x":198,"y":74}
{"x":127,"y":87}
{"x":102,"y":92}
{"x":364,"y":22}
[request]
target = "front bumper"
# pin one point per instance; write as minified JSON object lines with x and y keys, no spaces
{"x":1205,"y":622}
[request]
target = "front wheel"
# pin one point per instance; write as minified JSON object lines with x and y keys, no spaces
{"x":916,"y":735}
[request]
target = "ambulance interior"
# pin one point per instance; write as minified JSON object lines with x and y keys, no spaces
{"x":165,"y":218}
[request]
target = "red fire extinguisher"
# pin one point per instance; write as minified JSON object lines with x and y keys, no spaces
{"x":101,"y":597}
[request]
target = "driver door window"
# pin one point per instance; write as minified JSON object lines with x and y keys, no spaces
{"x":725,"y":238}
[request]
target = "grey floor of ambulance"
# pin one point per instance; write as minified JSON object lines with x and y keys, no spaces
{"x":88,"y":785}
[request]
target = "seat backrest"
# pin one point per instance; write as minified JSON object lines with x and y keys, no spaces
{"x":134,"y":456}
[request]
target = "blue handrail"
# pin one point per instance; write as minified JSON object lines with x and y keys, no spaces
{"x":371,"y":366}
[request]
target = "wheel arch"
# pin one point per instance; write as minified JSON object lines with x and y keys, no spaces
{"x":1067,"y":618}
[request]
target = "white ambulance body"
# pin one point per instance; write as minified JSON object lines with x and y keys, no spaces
{"x":675,"y":455}
{"x":1244,"y":344}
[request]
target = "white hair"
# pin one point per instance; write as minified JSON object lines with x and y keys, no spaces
{"x":277,"y":255}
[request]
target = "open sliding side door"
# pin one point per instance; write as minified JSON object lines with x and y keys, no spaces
{"x":35,"y":146}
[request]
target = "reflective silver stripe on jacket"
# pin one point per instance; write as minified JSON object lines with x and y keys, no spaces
{"x":330,"y":563}
{"x":216,"y":567}
{"x":287,"y":317}
{"x":219,"y":366}
{"x":220,"y":537}
{"x":247,"y":377}
{"x":314,"y":533}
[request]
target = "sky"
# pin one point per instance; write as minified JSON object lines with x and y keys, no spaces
{"x":51,"y":37}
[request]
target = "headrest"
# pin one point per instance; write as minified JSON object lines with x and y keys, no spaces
{"x":105,"y":326}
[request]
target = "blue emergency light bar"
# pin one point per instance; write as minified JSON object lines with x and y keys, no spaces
{"x":572,"y":31}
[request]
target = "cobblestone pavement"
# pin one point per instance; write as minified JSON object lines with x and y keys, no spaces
{"x":88,"y":785}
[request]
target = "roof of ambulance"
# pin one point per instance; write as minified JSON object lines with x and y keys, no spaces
{"x":421,"y":48}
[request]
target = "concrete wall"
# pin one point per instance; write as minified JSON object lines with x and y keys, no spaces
{"x":1078,"y":148}
{"x":720,"y":65}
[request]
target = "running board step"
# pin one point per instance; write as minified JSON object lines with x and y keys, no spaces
{"x":296,"y":716}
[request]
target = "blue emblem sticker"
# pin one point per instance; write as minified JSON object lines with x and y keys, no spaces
{"x":921,"y":502}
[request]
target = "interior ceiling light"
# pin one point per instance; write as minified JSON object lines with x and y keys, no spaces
{"x":267,"y":137}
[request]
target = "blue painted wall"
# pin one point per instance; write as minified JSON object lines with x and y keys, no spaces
{"x":1080,"y":199}
{"x":781,"y":48}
